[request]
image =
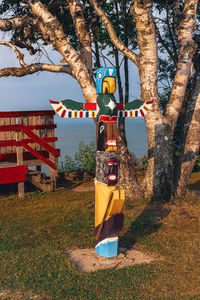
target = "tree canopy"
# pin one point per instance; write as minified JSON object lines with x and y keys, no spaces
{"x":159,"y":37}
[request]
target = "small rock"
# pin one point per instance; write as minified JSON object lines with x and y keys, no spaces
{"x":120,"y":256}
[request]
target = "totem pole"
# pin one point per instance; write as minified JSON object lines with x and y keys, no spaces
{"x":109,"y":200}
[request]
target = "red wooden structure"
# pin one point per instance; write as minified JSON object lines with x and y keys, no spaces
{"x":27,"y":139}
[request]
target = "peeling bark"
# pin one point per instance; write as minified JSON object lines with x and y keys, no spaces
{"x":83,"y":33}
{"x":14,"y":23}
{"x":191,"y":142}
{"x":31,"y":69}
{"x":187,"y":48}
{"x":128,"y":179}
{"x":158,"y":134}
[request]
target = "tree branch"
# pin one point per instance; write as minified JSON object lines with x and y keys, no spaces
{"x":31,"y":69}
{"x":19,"y":55}
{"x":148,"y":56}
{"x":171,"y":35}
{"x":83,"y":34}
{"x":176,"y":16}
{"x":14,"y":23}
{"x":164,"y":44}
{"x":114,"y":39}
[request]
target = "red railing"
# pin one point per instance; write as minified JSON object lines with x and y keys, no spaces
{"x":35,"y":138}
{"x":42,"y":136}
{"x":13,"y":174}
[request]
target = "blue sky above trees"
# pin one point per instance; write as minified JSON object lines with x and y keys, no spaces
{"x":32,"y":92}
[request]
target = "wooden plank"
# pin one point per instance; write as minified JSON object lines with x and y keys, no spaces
{"x":40,"y":142}
{"x":7,"y":135}
{"x":51,"y":132}
{"x":33,"y":123}
{"x":19,"y":152}
{"x":27,"y":141}
{"x":37,"y":132}
{"x":53,"y":172}
{"x":29,"y":163}
{"x":112,"y":130}
{"x":40,"y":156}
{"x":2,"y":150}
{"x":14,"y":179}
{"x":21,"y":189}
{"x":42,"y":131}
{"x":13,"y":171}
{"x":13,"y":136}
{"x":35,"y":162}
{"x":7,"y":164}
{"x":13,"y":175}
{"x":26,"y":156}
{"x":30,"y":127}
{"x":27,"y":113}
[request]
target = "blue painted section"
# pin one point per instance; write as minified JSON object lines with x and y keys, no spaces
{"x":107,"y":247}
{"x":101,"y":73}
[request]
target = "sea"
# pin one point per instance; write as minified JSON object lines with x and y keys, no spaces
{"x":71,"y":132}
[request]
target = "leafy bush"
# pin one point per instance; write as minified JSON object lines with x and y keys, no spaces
{"x":141,"y":163}
{"x":84,"y":159}
{"x":197,"y":165}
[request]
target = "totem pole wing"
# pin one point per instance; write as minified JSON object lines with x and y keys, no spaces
{"x":136,"y":108}
{"x":73,"y":109}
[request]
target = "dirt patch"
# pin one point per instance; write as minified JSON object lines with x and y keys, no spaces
{"x":85,"y":187}
{"x":87,"y":260}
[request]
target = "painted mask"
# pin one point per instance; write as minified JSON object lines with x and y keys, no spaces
{"x":111,"y":170}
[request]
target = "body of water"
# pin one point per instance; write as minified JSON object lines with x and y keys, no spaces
{"x":71,"y":132}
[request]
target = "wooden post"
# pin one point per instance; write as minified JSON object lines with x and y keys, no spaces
{"x":53,"y":159}
{"x":19,"y":151}
{"x":2,"y":136}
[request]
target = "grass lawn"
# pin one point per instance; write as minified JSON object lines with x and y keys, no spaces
{"x":35,"y":231}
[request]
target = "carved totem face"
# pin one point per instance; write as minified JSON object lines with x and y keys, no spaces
{"x":106,"y":80}
{"x":111,"y":170}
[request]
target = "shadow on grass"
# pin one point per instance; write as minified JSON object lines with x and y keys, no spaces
{"x":11,"y":189}
{"x":148,"y":222}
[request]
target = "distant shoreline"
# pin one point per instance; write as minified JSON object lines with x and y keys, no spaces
{"x":71,"y":132}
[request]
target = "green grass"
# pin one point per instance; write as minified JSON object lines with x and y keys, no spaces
{"x":35,"y":232}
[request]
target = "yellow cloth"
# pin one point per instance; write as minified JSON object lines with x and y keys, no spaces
{"x":103,"y":193}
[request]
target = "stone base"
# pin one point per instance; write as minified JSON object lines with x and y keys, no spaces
{"x":89,"y":261}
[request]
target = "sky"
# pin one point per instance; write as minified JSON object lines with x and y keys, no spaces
{"x":32,"y":92}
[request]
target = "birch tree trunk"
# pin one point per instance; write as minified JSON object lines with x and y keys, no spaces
{"x":191,"y":139}
{"x":158,"y":178}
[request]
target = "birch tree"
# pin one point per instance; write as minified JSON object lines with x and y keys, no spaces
{"x":56,"y":22}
